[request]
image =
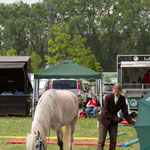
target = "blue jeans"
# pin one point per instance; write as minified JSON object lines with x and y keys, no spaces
{"x":89,"y":110}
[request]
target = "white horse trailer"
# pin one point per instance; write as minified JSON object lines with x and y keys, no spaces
{"x":130,"y":72}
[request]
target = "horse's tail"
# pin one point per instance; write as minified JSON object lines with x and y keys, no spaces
{"x":66,"y":136}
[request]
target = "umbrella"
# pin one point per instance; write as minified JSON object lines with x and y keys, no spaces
{"x":142,"y":124}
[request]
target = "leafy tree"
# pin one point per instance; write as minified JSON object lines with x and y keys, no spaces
{"x":81,"y":16}
{"x":13,"y":26}
{"x":123,"y":29}
{"x":38,"y":30}
{"x":35,"y":62}
{"x":64,"y":46}
{"x":2,"y":52}
{"x":12,"y":52}
{"x":111,"y":27}
{"x":24,"y":28}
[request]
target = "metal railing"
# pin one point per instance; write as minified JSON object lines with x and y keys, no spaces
{"x":136,"y":86}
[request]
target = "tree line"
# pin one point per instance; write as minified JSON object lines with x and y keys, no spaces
{"x":90,"y":32}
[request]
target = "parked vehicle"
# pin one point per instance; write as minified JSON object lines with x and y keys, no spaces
{"x":107,"y":88}
{"x":43,"y":86}
{"x":66,"y":84}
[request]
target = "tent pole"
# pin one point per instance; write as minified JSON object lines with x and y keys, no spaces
{"x":97,"y":86}
{"x":33,"y":97}
{"x":37,"y":90}
{"x":100,"y":92}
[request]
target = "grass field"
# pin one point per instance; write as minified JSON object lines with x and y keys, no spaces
{"x":19,"y":126}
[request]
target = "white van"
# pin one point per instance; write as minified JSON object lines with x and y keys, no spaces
{"x":67,"y":84}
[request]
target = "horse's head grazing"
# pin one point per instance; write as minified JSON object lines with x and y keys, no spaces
{"x":35,"y":142}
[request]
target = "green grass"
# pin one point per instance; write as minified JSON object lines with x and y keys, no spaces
{"x":19,"y":126}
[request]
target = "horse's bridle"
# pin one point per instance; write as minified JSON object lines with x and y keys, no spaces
{"x":41,"y":145}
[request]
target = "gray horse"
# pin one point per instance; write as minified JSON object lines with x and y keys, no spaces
{"x":57,"y":110}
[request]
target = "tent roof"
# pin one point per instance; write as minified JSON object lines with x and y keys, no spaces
{"x":67,"y":69}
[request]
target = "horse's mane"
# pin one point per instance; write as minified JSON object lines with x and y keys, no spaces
{"x":44,"y":112}
{"x":42,"y":117}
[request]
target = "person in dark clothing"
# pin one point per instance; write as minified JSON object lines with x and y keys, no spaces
{"x":146,"y":79}
{"x":143,"y":95}
{"x":108,"y":119}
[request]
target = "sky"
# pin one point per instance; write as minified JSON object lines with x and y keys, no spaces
{"x":25,"y":1}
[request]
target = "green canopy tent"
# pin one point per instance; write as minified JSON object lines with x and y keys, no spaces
{"x":67,"y":69}
{"x":142,"y":124}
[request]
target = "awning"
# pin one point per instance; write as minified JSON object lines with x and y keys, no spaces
{"x":135,"y":64}
{"x":11,"y":65}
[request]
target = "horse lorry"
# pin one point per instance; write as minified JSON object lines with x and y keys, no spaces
{"x":130,"y":72}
